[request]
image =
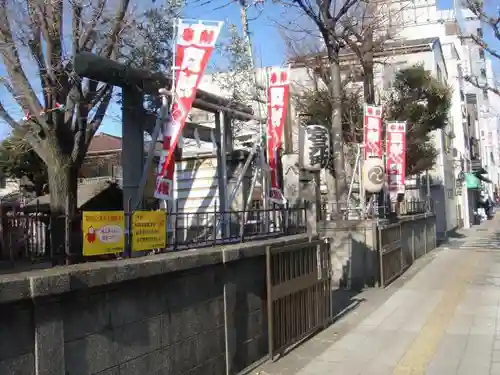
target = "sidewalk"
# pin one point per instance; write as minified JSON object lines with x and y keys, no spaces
{"x":440,"y":318}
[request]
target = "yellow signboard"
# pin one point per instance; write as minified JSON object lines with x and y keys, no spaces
{"x":103,"y":232}
{"x":148,"y":230}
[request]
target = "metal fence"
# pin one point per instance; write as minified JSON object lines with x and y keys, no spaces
{"x":24,"y":236}
{"x":373,"y":210}
{"x":27,"y":236}
{"x":401,"y":243}
{"x":210,"y":228}
{"x":414,"y":206}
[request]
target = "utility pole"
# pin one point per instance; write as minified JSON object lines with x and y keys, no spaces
{"x":249,"y":50}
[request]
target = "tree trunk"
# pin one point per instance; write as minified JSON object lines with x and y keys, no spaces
{"x":63,"y":180}
{"x":368,"y":77}
{"x":336,"y":177}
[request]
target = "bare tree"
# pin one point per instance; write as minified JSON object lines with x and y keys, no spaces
{"x":312,"y":96}
{"x":61,"y":117}
{"x":236,"y":75}
{"x":314,"y":102}
{"x":328,"y":17}
{"x":490,"y":20}
{"x":368,"y":26}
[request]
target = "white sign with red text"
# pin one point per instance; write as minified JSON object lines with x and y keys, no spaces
{"x":277,"y":105}
{"x":194,"y":45}
{"x":372,"y":131}
{"x":396,"y":158}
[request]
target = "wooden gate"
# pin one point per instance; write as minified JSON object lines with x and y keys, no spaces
{"x":298,"y":293}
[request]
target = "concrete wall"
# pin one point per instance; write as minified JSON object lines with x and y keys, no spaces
{"x":353,"y":252}
{"x":191,"y":312}
{"x":418,"y":236}
{"x":354,"y":247}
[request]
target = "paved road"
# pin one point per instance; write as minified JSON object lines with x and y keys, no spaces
{"x":444,"y":320}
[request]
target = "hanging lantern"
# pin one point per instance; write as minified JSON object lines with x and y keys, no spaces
{"x":314,"y":147}
{"x":373,"y":175}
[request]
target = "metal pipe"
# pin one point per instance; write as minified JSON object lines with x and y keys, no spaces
{"x":362,"y":195}
{"x":428,"y":183}
{"x":154,"y":137}
{"x":248,"y":202}
{"x":270,"y":312}
{"x":358,"y":156}
{"x":242,"y":173}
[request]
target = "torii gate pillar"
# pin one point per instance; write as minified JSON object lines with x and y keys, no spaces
{"x":133,"y":119}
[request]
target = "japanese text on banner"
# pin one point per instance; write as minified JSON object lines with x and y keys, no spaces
{"x":148,"y":230}
{"x":103,"y":232}
{"x":194,"y":45}
{"x":396,"y":157}
{"x":372,"y":131}
{"x":277,"y":105}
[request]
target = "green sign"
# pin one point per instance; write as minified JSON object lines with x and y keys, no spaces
{"x":471,"y":181}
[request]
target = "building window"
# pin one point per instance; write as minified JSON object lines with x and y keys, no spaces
{"x":485,"y":94}
{"x":479,"y":32}
{"x":481,"y":53}
{"x":483,"y":72}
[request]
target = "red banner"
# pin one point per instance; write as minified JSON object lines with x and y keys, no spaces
{"x":277,"y":105}
{"x":195,"y":43}
{"x":396,"y":157}
{"x":372,"y":131}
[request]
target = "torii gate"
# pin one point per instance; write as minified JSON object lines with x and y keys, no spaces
{"x":137,"y":82}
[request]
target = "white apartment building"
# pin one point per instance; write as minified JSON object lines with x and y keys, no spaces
{"x":474,"y":118}
{"x":490,"y":137}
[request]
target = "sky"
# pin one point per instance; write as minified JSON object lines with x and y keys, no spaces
{"x":268,"y":43}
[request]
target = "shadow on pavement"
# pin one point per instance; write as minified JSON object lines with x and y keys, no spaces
{"x":452,"y":236}
{"x":345,"y":301}
{"x":456,"y":234}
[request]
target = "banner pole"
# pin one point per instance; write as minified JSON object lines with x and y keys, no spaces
{"x":171,"y":209}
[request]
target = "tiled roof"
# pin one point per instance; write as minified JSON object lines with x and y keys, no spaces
{"x":103,"y":142}
{"x":84,"y":194}
{"x":388,"y":45}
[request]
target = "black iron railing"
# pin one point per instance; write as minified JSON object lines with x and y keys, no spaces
{"x":28,"y":236}
{"x":373,"y":209}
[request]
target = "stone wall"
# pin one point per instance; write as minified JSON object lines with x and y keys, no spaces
{"x":353,"y":252}
{"x":192,"y":312}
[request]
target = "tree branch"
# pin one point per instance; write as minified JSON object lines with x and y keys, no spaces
{"x":4,"y":115}
{"x":35,"y":46}
{"x":475,"y":82}
{"x":21,"y":87}
{"x":88,"y":39}
{"x":22,"y":130}
{"x":76,"y":10}
{"x":477,"y":7}
{"x":109,"y":47}
{"x":87,"y":128}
